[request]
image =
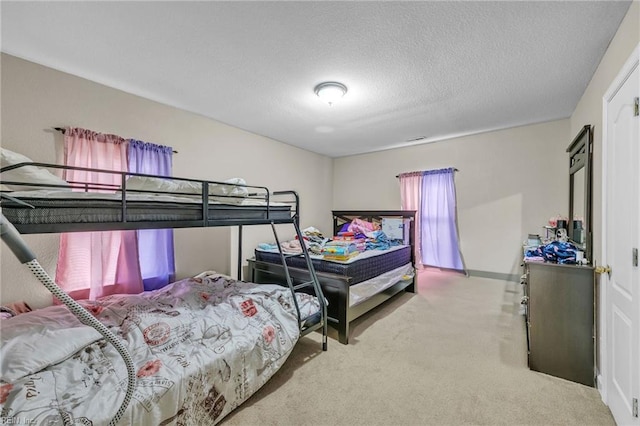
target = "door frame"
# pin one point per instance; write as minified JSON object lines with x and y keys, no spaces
{"x":629,"y":67}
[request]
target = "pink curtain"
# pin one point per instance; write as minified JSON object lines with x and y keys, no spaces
{"x":410,"y":196}
{"x":95,"y":264}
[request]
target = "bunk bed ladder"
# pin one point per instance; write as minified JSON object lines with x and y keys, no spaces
{"x":312,"y":282}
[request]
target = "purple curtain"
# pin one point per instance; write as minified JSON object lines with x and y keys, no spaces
{"x":155,"y":246}
{"x":438,"y":213}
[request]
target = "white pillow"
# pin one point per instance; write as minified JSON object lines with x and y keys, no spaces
{"x":35,"y":340}
{"x":241,"y":191}
{"x":146,"y":183}
{"x":28,"y":174}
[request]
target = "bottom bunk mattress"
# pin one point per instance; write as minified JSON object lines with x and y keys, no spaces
{"x":200,"y":346}
{"x":363,"y":267}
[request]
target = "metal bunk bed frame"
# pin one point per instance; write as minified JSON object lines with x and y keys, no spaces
{"x":11,"y":235}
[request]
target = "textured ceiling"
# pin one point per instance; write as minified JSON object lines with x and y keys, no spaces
{"x":430,"y":70}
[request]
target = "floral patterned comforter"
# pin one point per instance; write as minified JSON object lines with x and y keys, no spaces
{"x":201,"y":347}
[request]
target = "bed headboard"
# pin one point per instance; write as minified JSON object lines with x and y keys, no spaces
{"x":340,"y":217}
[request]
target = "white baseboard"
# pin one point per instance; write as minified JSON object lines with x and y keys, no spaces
{"x":601,"y":388}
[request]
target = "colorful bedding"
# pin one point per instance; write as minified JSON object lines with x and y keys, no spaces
{"x":201,"y":346}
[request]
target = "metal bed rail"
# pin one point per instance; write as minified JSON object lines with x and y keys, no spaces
{"x":210,"y":194}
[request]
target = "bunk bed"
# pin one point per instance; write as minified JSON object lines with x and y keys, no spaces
{"x":355,"y":287}
{"x":193,"y":350}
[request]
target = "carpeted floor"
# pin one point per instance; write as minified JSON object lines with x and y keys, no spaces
{"x":455,"y":353}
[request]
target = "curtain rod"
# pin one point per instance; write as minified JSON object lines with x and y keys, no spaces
{"x":454,"y":169}
{"x":61,"y":130}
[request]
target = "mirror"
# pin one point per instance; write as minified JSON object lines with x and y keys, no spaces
{"x":579,"y":231}
{"x":578,"y":207}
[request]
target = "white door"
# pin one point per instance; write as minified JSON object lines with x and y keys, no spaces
{"x":621,"y":223}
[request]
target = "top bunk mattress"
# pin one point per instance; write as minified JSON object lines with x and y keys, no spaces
{"x":66,"y":207}
{"x":361,"y":268}
{"x":35,"y":199}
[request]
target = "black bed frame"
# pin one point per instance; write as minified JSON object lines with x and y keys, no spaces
{"x":336,"y":287}
{"x":268,"y":215}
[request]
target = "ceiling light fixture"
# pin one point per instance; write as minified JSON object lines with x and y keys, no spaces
{"x":330,"y":91}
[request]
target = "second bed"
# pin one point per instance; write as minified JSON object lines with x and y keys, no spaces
{"x":354,"y":287}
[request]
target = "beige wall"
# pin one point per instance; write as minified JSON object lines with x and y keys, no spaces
{"x":36,"y":98}
{"x":589,"y":109}
{"x":508,"y":185}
